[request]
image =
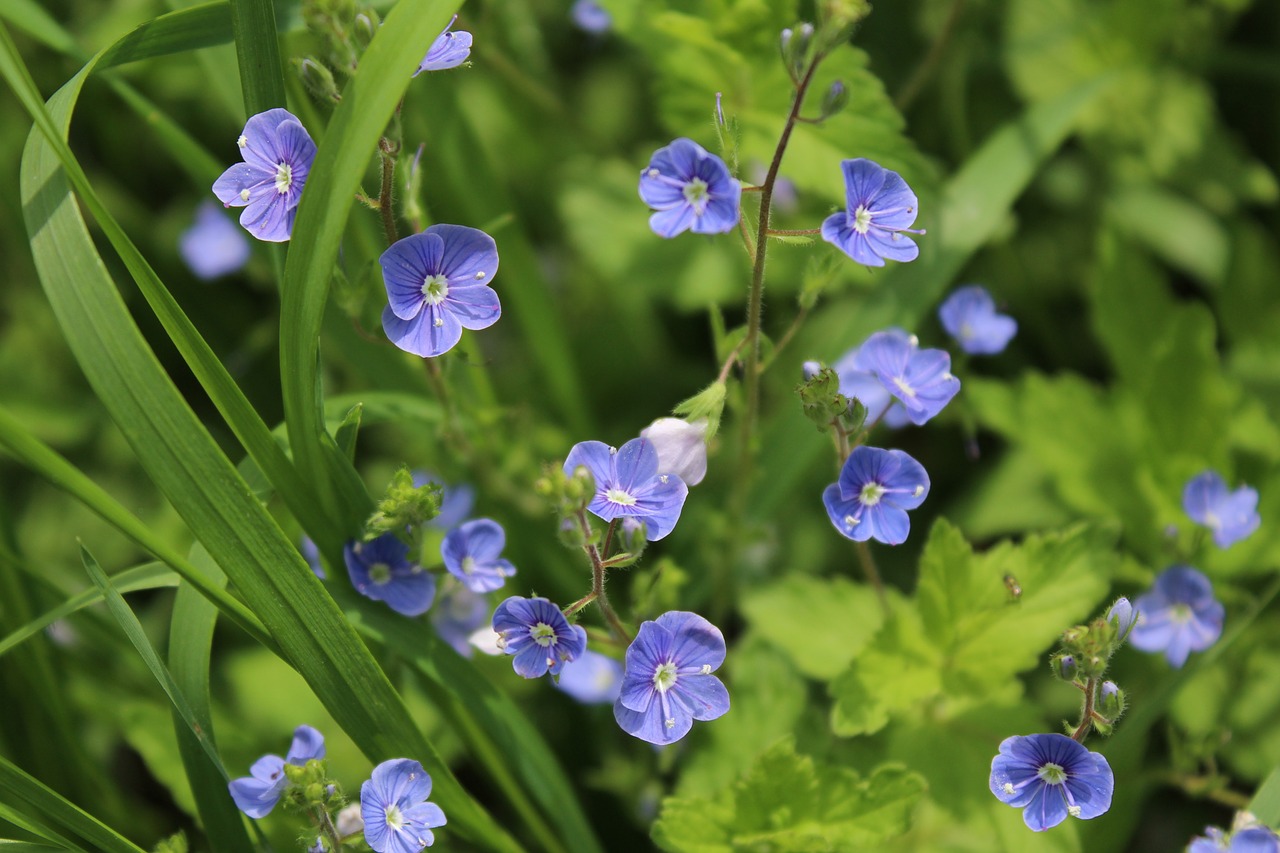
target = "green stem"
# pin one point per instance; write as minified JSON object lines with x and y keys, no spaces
{"x":386,"y":207}
{"x":598,"y":594}
{"x":1087,"y":715}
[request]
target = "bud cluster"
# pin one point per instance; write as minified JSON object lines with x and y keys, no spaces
{"x":405,"y":506}
{"x":822,"y":402}
{"x":1083,"y":660}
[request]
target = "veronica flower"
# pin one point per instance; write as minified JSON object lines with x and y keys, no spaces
{"x":628,"y":484}
{"x":591,"y":17}
{"x":920,"y":379}
{"x":1231,"y":516}
{"x":257,"y":794}
{"x":874,"y":492}
{"x":689,"y":188}
{"x":278,"y":153}
{"x":880,"y":209}
{"x":435,"y":288}
{"x":213,"y":246}
{"x":397,"y":817}
{"x":681,"y":446}
{"x":449,"y":50}
{"x":457,"y":613}
{"x":969,"y":315}
{"x":536,"y":632}
{"x":1249,"y":839}
{"x":1049,"y":777}
{"x":471,"y":554}
{"x":858,"y":381}
{"x":381,"y":570}
{"x":668,"y":682}
{"x":591,"y":678}
{"x":1178,"y":616}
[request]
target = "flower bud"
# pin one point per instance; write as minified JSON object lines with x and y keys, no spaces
{"x":681,"y":446}
{"x":795,"y":49}
{"x":349,"y":821}
{"x":834,"y":100}
{"x":1110,"y":700}
{"x":318,"y":79}
{"x":1122,"y":616}
{"x":1065,"y":667}
{"x":634,"y":538}
{"x":571,"y":535}
{"x":366,"y":24}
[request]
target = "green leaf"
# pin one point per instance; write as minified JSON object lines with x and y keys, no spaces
{"x":821,"y":624}
{"x":18,"y":790}
{"x":1266,"y":802}
{"x":789,"y":803}
{"x":258,"y":55}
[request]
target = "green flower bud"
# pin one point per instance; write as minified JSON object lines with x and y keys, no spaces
{"x":834,"y":100}
{"x":366,"y":24}
{"x":318,"y":79}
{"x":708,"y":405}
{"x":1110,"y":700}
{"x":1065,"y":667}
{"x":405,"y":506}
{"x":820,"y":396}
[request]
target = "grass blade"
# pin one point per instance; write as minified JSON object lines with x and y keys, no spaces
{"x":17,"y":789}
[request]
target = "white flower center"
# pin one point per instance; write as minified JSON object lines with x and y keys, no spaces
{"x":434,"y":289}
{"x":1180,"y":614}
{"x":380,"y":573}
{"x":906,"y":389}
{"x":1052,"y":773}
{"x":395,"y":820}
{"x":284,"y":178}
{"x":543,"y":634}
{"x":664,"y":677}
{"x":695,"y":192}
{"x":468,"y":565}
{"x":871,"y":494}
{"x":862,"y":219}
{"x":618,"y":496}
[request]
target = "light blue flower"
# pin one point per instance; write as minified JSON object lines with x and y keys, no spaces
{"x":472,"y":554}
{"x":1250,"y":839}
{"x":1178,"y":616}
{"x":969,"y":315}
{"x":689,"y":189}
{"x":920,"y":379}
{"x":628,"y":484}
{"x":449,"y":50}
{"x":1231,"y":516}
{"x":397,"y":817}
{"x":536,"y":632}
{"x":257,"y":794}
{"x":278,"y":153}
{"x":880,"y":209}
{"x":1050,"y":776}
{"x":381,"y":570}
{"x":874,"y":492}
{"x":213,"y":246}
{"x":591,"y":17}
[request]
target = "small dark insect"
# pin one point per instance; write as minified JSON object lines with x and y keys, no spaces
{"x":1015,"y":590}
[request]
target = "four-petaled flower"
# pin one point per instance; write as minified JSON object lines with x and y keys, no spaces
{"x":381,"y":570}
{"x":1231,"y":516}
{"x":874,"y":492}
{"x":449,"y":50}
{"x":436,"y":287}
{"x":397,"y":817}
{"x":689,"y":188}
{"x":278,"y":153}
{"x":881,"y":208}
{"x":920,"y":378}
{"x":258,"y":793}
{"x":472,"y":552}
{"x":1178,"y":616}
{"x":1049,"y":777}
{"x":668,"y":682}
{"x":592,"y":678}
{"x":628,"y":484}
{"x":213,"y":246}
{"x":969,"y":315}
{"x":536,"y":632}
{"x":1248,"y":839}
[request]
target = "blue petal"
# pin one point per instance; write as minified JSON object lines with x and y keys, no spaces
{"x":449,"y":50}
{"x":469,"y":255}
{"x":268,"y":215}
{"x":837,"y":230}
{"x":1202,"y":494}
{"x":597,"y":457}
{"x":531,"y":661}
{"x":908,"y":477}
{"x":841,"y":511}
{"x":886,"y":524}
{"x":703,"y":696}
{"x":1047,"y":808}
{"x":307,"y":744}
{"x":867,"y":465}
{"x":408,"y":595}
{"x":676,"y":220}
{"x":405,"y":268}
{"x":255,"y":797}
{"x":895,"y":205}
{"x":893,"y":245}
{"x":694,"y":640}
{"x":261,"y":136}
{"x":421,"y":336}
{"x":650,"y":725}
{"x":863,"y":180}
{"x":236,"y":178}
{"x":475,"y":307}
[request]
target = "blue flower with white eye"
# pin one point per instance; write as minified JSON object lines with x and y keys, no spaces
{"x":437,"y":286}
{"x":689,"y":189}
{"x":257,"y":794}
{"x":920,"y":379}
{"x":1249,"y":839}
{"x":536,"y":632}
{"x":628,"y":484}
{"x":449,"y":50}
{"x":213,"y":246}
{"x":668,"y":681}
{"x":397,"y":817}
{"x":278,"y":153}
{"x":472,"y":554}
{"x":1049,"y":777}
{"x":874,"y":492}
{"x":880,"y":209}
{"x":969,"y":315}
{"x":1231,"y":516}
{"x":1178,"y":616}
{"x":382,"y":570}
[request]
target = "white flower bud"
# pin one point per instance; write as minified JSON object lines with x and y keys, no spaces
{"x":349,"y":821}
{"x":681,"y":446}
{"x":487,"y":640}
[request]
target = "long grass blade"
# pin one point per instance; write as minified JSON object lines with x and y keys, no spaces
{"x":18,"y":789}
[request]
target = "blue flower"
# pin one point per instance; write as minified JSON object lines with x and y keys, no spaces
{"x":1178,"y":616}
{"x":1049,"y":777}
{"x":1231,"y":516}
{"x":457,"y":615}
{"x":213,"y":246}
{"x":397,"y":817}
{"x":278,"y":153}
{"x":434,"y":287}
{"x":1250,"y":839}
{"x":257,"y":794}
{"x":858,"y":381}
{"x":668,"y":682}
{"x":449,"y":50}
{"x":920,"y":379}
{"x":536,"y":632}
{"x":592,"y":678}
{"x":969,"y":315}
{"x":689,"y":188}
{"x":628,"y":484}
{"x":881,"y":208}
{"x":471,"y":554}
{"x":311,"y":554}
{"x":591,"y":17}
{"x":456,"y":501}
{"x":874,"y":492}
{"x":381,"y":570}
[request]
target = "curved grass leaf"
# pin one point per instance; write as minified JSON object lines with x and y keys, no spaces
{"x":258,"y":55}
{"x":18,"y":789}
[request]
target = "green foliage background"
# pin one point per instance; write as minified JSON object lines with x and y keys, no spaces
{"x":1106,"y":169}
